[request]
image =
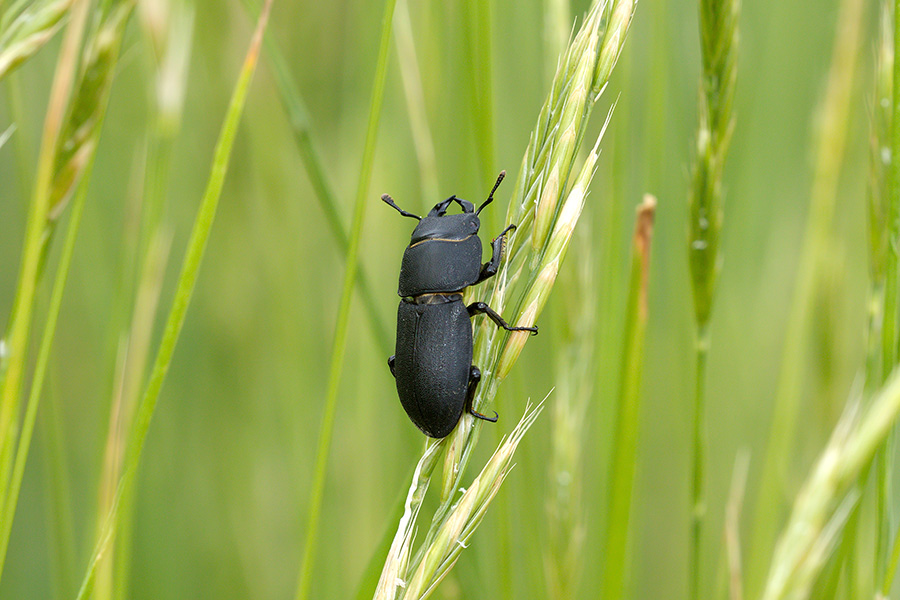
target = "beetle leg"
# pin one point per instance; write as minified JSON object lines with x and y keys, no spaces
{"x":482,"y":308}
{"x":474,"y":378}
{"x":391,"y":365}
{"x":498,"y":245}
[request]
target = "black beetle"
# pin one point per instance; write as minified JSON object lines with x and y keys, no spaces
{"x":432,"y":364}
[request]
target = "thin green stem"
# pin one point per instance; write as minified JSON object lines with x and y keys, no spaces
{"x":891,"y":571}
{"x":12,"y":370}
{"x":480,"y":58}
{"x":298,"y":117}
{"x":415,"y":100}
{"x":343,"y":317}
{"x":830,"y":149}
{"x":889,"y":338}
{"x":40,"y":370}
{"x":58,"y":494}
{"x":889,"y":327}
{"x":624,"y":445}
{"x":183,"y":292}
{"x":698,"y":479}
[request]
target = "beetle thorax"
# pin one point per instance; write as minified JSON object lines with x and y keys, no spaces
{"x":448,"y":227}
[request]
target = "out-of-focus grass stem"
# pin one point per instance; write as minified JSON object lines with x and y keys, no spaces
{"x":415,"y":100}
{"x":628,"y":411}
{"x":12,"y":369}
{"x":58,"y":493}
{"x":183,"y":292}
{"x":40,"y":370}
{"x":889,"y":338}
{"x":889,"y":328}
{"x":298,"y":118}
{"x":829,"y":147}
{"x":21,"y":146}
{"x":343,"y":315}
{"x":698,"y":468}
{"x":480,"y":53}
{"x":719,"y":41}
{"x":830,"y":490}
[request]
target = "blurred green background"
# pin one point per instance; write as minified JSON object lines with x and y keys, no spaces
{"x":225,"y":477}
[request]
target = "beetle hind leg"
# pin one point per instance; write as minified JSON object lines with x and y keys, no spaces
{"x":474,"y":378}
{"x":391,"y":365}
{"x":481,"y":308}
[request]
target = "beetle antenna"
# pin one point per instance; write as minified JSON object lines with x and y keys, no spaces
{"x":390,"y":202}
{"x":490,"y":197}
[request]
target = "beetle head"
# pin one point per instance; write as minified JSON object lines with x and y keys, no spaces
{"x":439,"y":225}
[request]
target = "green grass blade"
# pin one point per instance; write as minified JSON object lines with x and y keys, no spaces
{"x":718,"y":36}
{"x":415,"y":100}
{"x":57,"y":489}
{"x":343,"y":315}
{"x":12,"y":365}
{"x":889,"y":336}
{"x":298,"y":117}
{"x":479,"y":50}
{"x":830,"y":147}
{"x":626,"y":431}
{"x":183,"y":292}
{"x":822,"y":505}
{"x":40,"y":370}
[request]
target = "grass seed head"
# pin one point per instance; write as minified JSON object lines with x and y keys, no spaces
{"x":29,"y":31}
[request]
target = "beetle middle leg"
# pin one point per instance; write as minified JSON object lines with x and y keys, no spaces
{"x":474,"y":378}
{"x":498,"y":245}
{"x":391,"y":360}
{"x":482,"y":308}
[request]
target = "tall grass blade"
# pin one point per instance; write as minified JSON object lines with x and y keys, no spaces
{"x":719,"y":39}
{"x":343,"y":314}
{"x":183,"y":291}
{"x":479,"y":57}
{"x":415,"y":100}
{"x":12,"y":361}
{"x":40,"y":370}
{"x":627,"y":421}
{"x":829,"y":492}
{"x":830,"y":146}
{"x":298,"y":117}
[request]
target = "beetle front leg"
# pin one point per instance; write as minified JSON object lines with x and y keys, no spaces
{"x":391,"y":360}
{"x":482,"y":308}
{"x":498,"y":245}
{"x":474,"y":378}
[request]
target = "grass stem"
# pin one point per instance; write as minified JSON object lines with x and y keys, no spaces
{"x":830,"y":147}
{"x":627,"y":420}
{"x":699,"y":452}
{"x":13,"y":367}
{"x":298,"y":118}
{"x":183,"y":292}
{"x":40,"y":370}
{"x":343,"y":316}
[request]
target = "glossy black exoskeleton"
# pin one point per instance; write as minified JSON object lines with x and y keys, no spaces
{"x":432,"y":364}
